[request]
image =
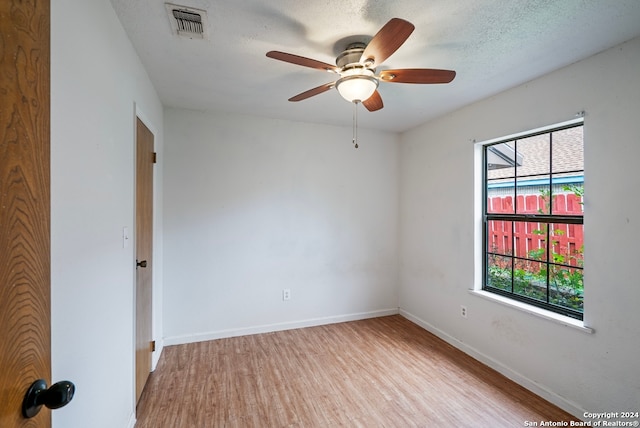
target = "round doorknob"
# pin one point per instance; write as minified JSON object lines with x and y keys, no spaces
{"x":142,"y":263}
{"x":54,"y":397}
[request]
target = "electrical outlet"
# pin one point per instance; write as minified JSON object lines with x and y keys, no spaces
{"x":463,"y":311}
{"x":286,"y":294}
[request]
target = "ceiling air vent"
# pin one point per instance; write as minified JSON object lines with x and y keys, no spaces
{"x":187,"y":21}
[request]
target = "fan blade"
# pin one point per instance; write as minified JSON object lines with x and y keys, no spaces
{"x":387,"y":41}
{"x":374,"y":102}
{"x":312,"y":92}
{"x":417,"y":75}
{"x":300,"y":60}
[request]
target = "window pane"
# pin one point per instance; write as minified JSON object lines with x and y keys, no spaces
{"x":568,"y":150}
{"x":566,"y":287}
{"x":500,"y":163}
{"x":499,"y":234}
{"x":568,"y":171}
{"x":530,"y":240}
{"x":534,"y":199}
{"x":533,"y":176}
{"x":567,"y":244}
{"x":500,"y":200}
{"x":530,"y":279}
{"x":536,"y":160}
{"x":499,"y":272}
{"x":568,"y":195}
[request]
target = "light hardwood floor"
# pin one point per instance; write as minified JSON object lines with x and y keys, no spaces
{"x":381,"y":372}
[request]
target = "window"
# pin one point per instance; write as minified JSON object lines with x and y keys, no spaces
{"x":533,"y":218}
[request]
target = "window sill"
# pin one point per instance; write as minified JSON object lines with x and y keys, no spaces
{"x":548,"y":315}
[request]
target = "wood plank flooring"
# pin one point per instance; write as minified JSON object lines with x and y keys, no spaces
{"x":381,"y":372}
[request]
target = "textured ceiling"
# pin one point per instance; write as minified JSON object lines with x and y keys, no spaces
{"x":492,"y":44}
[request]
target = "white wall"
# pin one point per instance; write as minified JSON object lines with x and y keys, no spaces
{"x":253,"y":206}
{"x":579,"y":371}
{"x":97,"y":84}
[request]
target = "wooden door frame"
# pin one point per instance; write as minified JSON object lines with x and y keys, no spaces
{"x":140,"y":115}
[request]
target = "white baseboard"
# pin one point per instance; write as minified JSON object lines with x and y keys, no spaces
{"x":518,"y":378}
{"x":268,"y":328}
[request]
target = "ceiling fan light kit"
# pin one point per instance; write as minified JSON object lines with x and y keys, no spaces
{"x":357,"y":87}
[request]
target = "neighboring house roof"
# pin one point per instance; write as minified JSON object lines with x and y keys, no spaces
{"x":568,"y":155}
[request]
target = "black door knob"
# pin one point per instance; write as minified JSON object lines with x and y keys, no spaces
{"x":142,"y":263}
{"x":54,"y":397}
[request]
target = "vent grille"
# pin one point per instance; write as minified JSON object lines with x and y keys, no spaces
{"x":187,"y":21}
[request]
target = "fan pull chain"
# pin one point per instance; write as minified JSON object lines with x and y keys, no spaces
{"x":355,"y":124}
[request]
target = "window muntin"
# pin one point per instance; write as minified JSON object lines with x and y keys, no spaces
{"x":533,"y":219}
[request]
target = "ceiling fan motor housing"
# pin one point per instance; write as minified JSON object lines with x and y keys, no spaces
{"x":351,"y":56}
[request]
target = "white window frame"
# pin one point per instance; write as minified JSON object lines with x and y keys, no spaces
{"x":479,"y":255}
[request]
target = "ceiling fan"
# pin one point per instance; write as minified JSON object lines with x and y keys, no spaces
{"x":358,"y":81}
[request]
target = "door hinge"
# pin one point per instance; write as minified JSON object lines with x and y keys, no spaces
{"x":154,"y":158}
{"x":153,"y":346}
